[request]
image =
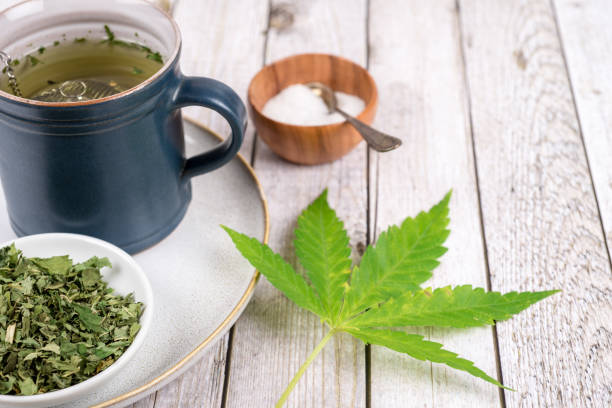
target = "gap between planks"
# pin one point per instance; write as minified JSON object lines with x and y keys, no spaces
{"x":499,"y":371}
{"x":206,"y":383}
{"x":273,"y":337}
{"x":580,"y":131}
{"x":416,"y":61}
{"x":541,"y":220}
{"x":369,"y":233}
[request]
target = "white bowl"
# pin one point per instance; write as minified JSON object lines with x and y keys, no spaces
{"x":125,"y":276}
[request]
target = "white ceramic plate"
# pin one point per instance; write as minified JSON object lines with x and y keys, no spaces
{"x":126,"y":276}
{"x":200,"y":282}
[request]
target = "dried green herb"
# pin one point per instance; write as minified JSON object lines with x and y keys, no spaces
{"x":33,"y":60}
{"x":112,"y":40}
{"x":56,"y":43}
{"x":156,"y":56}
{"x":80,"y":40}
{"x":41,"y":50}
{"x":60,"y":323}
{"x":14,"y":63}
{"x":110,"y":35}
{"x":136,"y":71}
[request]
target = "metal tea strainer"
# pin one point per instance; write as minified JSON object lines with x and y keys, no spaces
{"x":77,"y":90}
{"x":5,"y":60}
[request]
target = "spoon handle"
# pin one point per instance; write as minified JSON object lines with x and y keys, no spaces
{"x":378,"y":141}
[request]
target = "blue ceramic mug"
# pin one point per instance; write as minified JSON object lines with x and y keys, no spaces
{"x":113,"y":168}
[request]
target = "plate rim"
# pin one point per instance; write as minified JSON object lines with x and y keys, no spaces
{"x":246,"y":296}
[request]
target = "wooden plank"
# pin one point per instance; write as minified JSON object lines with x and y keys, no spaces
{"x":147,"y":402}
{"x":213,"y":47}
{"x":416,"y":62}
{"x":273,"y":338}
{"x":201,"y":386}
{"x":581,"y":24}
{"x":588,"y":60}
{"x":224,"y":44}
{"x":540,"y":216}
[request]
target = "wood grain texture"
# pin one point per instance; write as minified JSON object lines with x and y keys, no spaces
{"x":146,"y":402}
{"x":416,"y":62}
{"x":540,"y":216}
{"x":586,"y":33}
{"x":213,"y":47}
{"x":311,"y":144}
{"x":273,"y":337}
{"x":201,"y":386}
{"x":223,"y":40}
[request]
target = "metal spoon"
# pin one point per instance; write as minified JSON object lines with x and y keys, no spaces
{"x":376,"y":140}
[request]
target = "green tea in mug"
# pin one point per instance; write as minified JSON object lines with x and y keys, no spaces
{"x":81,"y":69}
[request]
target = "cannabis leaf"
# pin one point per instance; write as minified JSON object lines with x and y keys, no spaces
{"x":384,"y":292}
{"x":279,"y":273}
{"x":322,"y":247}
{"x":415,"y":346}
{"x":403,"y":258}
{"x":460,"y":307}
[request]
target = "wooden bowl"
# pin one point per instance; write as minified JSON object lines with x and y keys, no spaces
{"x":311,"y":144}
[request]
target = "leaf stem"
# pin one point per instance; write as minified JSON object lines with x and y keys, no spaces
{"x":303,"y":368}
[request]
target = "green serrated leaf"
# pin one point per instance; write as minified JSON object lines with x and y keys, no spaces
{"x":27,"y":387}
{"x":9,"y":255}
{"x":55,"y":265}
{"x":415,"y":346}
{"x":384,"y":291}
{"x":93,"y":263}
{"x":322,"y":246}
{"x":52,"y":347}
{"x":104,"y":351}
{"x":462,"y":306}
{"x":403,"y":258}
{"x":89,"y":320}
{"x":278,"y":272}
{"x":7,"y":386}
{"x":90,"y":277}
{"x":31,"y":356}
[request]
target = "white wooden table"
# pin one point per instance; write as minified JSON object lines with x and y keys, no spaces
{"x":509,"y":103}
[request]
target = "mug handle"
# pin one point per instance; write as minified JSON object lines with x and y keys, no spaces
{"x":210,"y":93}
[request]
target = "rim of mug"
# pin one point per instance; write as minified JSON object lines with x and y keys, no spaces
{"x":144,"y":84}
